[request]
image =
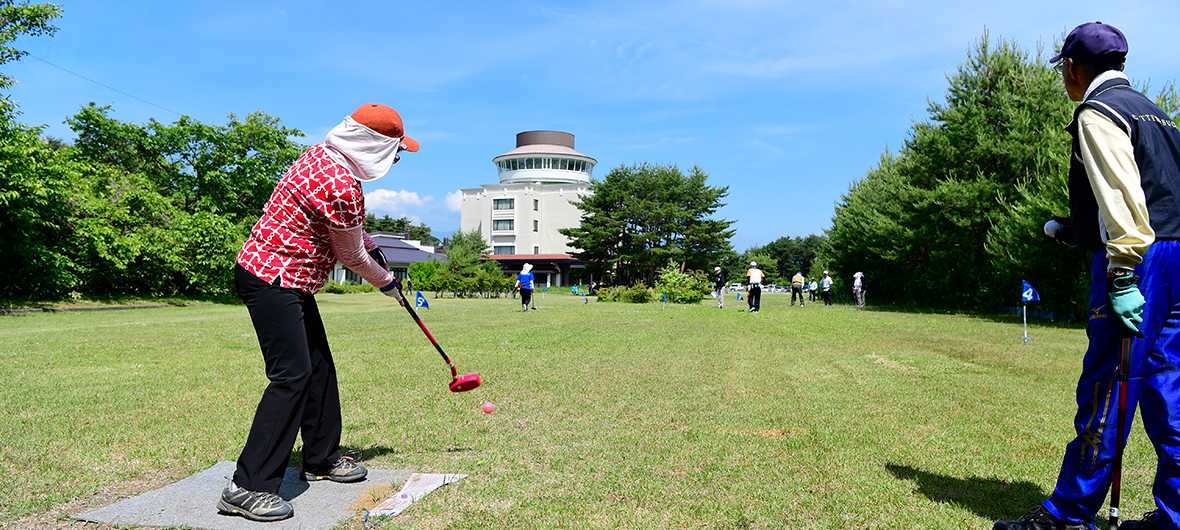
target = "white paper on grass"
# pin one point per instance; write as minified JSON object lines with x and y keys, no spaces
{"x":418,"y":486}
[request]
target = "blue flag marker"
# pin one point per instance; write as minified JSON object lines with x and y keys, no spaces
{"x":1029,"y":294}
{"x":420,"y":301}
{"x":739,"y":296}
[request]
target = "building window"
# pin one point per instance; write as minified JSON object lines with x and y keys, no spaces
{"x":502,"y":204}
{"x":536,"y":225}
{"x":502,"y":224}
{"x":506,"y":250}
{"x":536,"y":205}
{"x":536,"y":249}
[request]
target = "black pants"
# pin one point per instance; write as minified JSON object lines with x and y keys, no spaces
{"x":828,"y":297}
{"x":755,"y":297}
{"x":302,"y":394}
{"x":526,"y":296}
{"x":796,"y":291}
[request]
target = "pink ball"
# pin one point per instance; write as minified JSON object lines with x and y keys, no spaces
{"x":488,"y":407}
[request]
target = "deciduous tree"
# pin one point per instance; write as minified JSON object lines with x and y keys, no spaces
{"x":639,"y":218}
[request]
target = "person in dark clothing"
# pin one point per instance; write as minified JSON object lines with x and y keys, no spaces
{"x":1124,"y":198}
{"x":719,"y":285}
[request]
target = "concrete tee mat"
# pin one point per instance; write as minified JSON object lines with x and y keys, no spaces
{"x":192,"y":502}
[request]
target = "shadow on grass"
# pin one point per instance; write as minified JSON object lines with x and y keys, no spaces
{"x":364,"y":454}
{"x":992,"y":316}
{"x":991,"y":499}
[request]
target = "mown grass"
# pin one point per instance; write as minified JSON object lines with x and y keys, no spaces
{"x":608,"y":415}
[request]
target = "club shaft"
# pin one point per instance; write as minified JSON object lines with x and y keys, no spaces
{"x":409,"y":307}
{"x":1116,"y":468}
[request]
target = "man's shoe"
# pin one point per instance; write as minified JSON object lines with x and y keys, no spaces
{"x":1147,"y":523}
{"x":255,"y":505}
{"x":344,"y":470}
{"x":1038,"y":518}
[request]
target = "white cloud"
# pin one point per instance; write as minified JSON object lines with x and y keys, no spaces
{"x":395,"y":203}
{"x":454,"y":201}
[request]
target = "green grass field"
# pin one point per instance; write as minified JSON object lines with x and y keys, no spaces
{"x":608,"y":415}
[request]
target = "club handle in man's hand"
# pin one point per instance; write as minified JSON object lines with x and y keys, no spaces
{"x":1126,"y":301}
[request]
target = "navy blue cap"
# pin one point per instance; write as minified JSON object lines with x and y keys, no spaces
{"x":1093,"y":42}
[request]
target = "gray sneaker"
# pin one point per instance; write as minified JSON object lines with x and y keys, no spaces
{"x":255,"y":505}
{"x":344,"y":470}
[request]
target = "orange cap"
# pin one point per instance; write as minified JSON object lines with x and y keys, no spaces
{"x":386,"y":121}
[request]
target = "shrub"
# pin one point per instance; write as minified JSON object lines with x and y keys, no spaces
{"x":682,"y":288}
{"x":638,"y":294}
{"x":348,"y":288}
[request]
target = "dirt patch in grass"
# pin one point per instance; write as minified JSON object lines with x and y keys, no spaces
{"x":59,"y":517}
{"x":769,"y":433}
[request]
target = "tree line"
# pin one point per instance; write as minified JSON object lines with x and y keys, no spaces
{"x":954,"y":217}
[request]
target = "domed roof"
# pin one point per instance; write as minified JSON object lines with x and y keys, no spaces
{"x":545,"y":157}
{"x":545,"y":143}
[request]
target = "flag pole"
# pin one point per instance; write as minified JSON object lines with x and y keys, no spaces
{"x":1025,"y":337}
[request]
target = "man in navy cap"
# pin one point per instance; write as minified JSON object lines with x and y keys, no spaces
{"x":1124,"y":199}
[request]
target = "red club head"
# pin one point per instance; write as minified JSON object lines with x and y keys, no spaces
{"x":465,"y":383}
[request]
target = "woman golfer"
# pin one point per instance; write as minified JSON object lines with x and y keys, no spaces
{"x":314,"y":218}
{"x":524,"y":282}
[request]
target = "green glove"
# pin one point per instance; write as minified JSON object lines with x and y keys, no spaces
{"x":1126,"y":301}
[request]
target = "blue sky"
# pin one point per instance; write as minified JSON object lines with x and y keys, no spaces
{"x":786,"y":103}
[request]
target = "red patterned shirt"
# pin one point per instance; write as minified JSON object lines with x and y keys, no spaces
{"x":292,"y":239}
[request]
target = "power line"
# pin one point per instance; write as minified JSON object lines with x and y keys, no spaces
{"x":106,"y":86}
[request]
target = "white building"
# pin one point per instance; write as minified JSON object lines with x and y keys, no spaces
{"x":521,"y":215}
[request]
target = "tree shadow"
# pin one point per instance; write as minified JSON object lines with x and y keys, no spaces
{"x":988,"y":498}
{"x":362,"y":454}
{"x":1078,"y":322}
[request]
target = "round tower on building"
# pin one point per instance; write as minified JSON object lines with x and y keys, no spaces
{"x":545,"y":157}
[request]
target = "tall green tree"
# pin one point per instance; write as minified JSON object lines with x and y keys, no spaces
{"x":37,"y":191}
{"x":18,"y":19}
{"x":229,"y":170}
{"x":640,"y":217}
{"x":464,"y":250}
{"x":35,"y":180}
{"x":934,"y":220}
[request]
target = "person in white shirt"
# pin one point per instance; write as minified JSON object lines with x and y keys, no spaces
{"x":826,"y":285}
{"x":754,"y":275}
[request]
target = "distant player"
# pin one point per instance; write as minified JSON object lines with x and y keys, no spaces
{"x":524,"y":282}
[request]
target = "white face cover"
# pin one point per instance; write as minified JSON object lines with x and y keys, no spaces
{"x":368,"y":154}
